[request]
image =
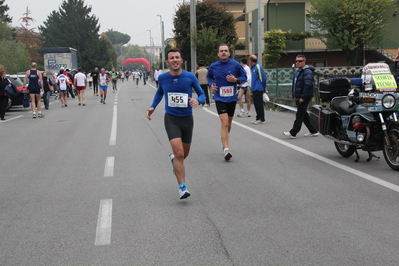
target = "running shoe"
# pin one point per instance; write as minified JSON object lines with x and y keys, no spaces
{"x":242,"y":114}
{"x":34,"y":115}
{"x":79,"y":104}
{"x":183,"y":192}
{"x":309,"y":134}
{"x":101,"y":101}
{"x":248,"y":114}
{"x":66,"y":105}
{"x":172,"y":160}
{"x":63,"y":105}
{"x":40,"y":115}
{"x":257,"y":122}
{"x":288,"y":134}
{"x":227,"y":154}
{"x":84,"y":104}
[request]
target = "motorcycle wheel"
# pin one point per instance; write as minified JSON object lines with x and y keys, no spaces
{"x":391,"y":153}
{"x":345,"y":150}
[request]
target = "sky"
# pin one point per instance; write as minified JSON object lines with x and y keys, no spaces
{"x":132,"y":17}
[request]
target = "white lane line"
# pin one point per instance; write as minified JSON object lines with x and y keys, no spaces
{"x":318,"y":157}
{"x":104,"y":223}
{"x":112,"y":139}
{"x":109,"y":166}
{"x":9,"y":119}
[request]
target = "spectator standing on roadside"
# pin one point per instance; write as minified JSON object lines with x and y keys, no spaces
{"x":94,"y":75}
{"x":157,"y":72}
{"x":35,"y":86}
{"x":258,"y":87}
{"x":48,"y":88}
{"x":80,"y":83}
{"x":302,"y":92}
{"x":223,"y":77}
{"x":3,"y":97}
{"x":201,"y":76}
{"x":396,"y":66}
{"x":245,"y":89}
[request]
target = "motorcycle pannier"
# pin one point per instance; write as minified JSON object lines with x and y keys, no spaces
{"x":323,"y":119}
{"x":331,"y":88}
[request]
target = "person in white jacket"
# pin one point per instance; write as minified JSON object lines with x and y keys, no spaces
{"x":245,"y":89}
{"x":157,"y":72}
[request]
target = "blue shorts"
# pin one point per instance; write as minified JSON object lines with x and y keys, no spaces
{"x":104,"y":88}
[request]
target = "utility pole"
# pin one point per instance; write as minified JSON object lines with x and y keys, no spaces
{"x":193,"y":32}
{"x":260,"y":33}
{"x":150,"y":50}
{"x":162,"y":43}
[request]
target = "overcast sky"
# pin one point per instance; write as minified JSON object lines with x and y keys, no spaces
{"x":132,"y":17}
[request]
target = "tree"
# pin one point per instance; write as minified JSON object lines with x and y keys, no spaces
{"x":3,"y":12}
{"x":73,"y":26}
{"x":118,"y":39}
{"x":5,"y":31}
{"x":26,"y":35}
{"x":14,"y":56}
{"x":350,"y":25}
{"x":208,"y":40}
{"x":209,"y":14}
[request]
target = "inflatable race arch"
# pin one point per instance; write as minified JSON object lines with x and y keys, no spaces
{"x":137,"y":60}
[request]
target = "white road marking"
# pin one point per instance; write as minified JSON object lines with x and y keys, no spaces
{"x":112,"y":139}
{"x":104,"y":223}
{"x":318,"y":157}
{"x":9,"y":119}
{"x":109,"y":166}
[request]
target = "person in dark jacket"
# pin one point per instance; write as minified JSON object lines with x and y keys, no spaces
{"x":47,"y":86}
{"x":3,"y":97}
{"x":396,"y":66}
{"x":302,"y":91}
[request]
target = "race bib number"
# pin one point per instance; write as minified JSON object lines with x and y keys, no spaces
{"x":226,"y":91}
{"x":176,"y":99}
{"x":103,"y":84}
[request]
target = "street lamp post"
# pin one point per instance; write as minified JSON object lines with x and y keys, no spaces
{"x":162,"y":43}
{"x":150,"y":49}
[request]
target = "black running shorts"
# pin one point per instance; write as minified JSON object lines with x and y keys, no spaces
{"x":179,"y":127}
{"x":228,"y":108}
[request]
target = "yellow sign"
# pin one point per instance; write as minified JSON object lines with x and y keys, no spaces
{"x":384,"y":81}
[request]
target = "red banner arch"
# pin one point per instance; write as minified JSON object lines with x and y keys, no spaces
{"x":137,"y":60}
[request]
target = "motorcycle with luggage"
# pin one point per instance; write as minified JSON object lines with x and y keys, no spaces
{"x":362,"y":114}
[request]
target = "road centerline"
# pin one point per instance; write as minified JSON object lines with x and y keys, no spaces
{"x":104,"y":223}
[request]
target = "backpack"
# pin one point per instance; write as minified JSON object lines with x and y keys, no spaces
{"x":26,"y":100}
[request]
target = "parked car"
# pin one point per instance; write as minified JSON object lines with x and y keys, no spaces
{"x":17,"y":82}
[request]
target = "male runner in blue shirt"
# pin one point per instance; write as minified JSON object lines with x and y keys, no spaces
{"x":176,"y":86}
{"x":223,"y":77}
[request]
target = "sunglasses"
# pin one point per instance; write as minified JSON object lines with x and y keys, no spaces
{"x":299,"y":60}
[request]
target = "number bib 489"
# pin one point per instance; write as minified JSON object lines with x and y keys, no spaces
{"x":226,"y":91}
{"x":176,"y":99}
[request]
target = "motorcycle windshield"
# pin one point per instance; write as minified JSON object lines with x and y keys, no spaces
{"x":379,"y":76}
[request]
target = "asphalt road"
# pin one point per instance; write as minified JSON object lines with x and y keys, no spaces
{"x":93,"y":186}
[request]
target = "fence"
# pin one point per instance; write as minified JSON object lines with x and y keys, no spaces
{"x":279,"y":80}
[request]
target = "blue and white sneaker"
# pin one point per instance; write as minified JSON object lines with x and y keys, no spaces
{"x":183,"y":192}
{"x":172,"y":160}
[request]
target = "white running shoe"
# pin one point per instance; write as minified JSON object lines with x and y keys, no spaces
{"x":257,"y":122}
{"x":288,"y":134}
{"x":183,"y":192}
{"x":172,"y":160}
{"x":311,"y":134}
{"x":242,"y":114}
{"x":227,"y":154}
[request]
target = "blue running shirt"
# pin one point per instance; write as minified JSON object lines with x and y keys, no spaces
{"x":177,"y":90}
